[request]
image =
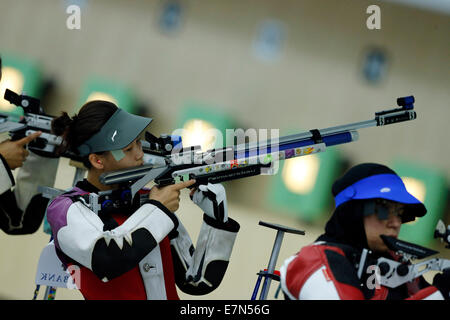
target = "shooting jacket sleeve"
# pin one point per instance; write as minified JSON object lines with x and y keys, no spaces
{"x":320,"y":272}
{"x":323,"y":272}
{"x":82,"y":236}
{"x":36,"y":171}
{"x":200,"y":270}
{"x":428,"y":293}
{"x":23,"y":208}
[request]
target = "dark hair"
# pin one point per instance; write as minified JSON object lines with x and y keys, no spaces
{"x":78,"y":129}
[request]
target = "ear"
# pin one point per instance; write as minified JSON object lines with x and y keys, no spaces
{"x":96,"y":161}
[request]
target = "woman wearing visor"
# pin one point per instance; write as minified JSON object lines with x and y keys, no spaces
{"x":133,"y":251}
{"x":371,"y":200}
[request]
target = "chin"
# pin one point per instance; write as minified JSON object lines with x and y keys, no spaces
{"x":382,"y":249}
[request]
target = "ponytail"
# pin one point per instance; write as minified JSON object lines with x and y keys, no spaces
{"x":78,"y":129}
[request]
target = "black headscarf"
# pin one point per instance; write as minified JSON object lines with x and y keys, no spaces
{"x":346,"y":225}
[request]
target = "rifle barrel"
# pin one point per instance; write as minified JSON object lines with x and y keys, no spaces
{"x":285,"y":147}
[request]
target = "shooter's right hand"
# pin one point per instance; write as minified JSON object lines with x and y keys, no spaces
{"x":442,"y":282}
{"x":169,"y":196}
{"x":14,"y":152}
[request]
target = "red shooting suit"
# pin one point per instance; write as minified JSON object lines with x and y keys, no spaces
{"x":140,"y":254}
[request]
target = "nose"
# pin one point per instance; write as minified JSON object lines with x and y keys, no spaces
{"x":395,"y":221}
{"x":139,"y":154}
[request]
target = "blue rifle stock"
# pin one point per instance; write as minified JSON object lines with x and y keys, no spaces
{"x":247,"y":160}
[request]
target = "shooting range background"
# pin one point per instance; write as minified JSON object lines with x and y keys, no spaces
{"x":314,"y":81}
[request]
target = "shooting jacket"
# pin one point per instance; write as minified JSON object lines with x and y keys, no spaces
{"x":137,"y":255}
{"x":22,"y":208}
{"x":327,"y":271}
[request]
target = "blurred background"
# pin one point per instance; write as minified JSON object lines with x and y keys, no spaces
{"x":287,"y":65}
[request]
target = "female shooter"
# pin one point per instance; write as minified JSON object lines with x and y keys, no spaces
{"x":139,"y":249}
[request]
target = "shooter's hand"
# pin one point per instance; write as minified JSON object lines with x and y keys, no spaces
{"x":442,"y":282}
{"x":169,"y":196}
{"x":14,"y":152}
{"x":212,"y":199}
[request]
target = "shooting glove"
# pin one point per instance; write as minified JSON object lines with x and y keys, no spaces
{"x":442,"y":282}
{"x":212,"y":200}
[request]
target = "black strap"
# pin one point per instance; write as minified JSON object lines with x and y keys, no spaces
{"x":316,"y":136}
{"x":8,"y":169}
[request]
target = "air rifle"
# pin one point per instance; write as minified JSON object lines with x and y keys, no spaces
{"x":167,"y":162}
{"x":395,"y":273}
{"x":174,"y":164}
{"x":33,"y":120}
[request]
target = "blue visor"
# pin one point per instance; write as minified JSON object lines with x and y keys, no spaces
{"x":383,"y":186}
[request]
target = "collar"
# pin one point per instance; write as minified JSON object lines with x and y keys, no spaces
{"x":87,"y":186}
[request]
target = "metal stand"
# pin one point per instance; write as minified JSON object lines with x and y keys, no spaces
{"x":270,"y":273}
